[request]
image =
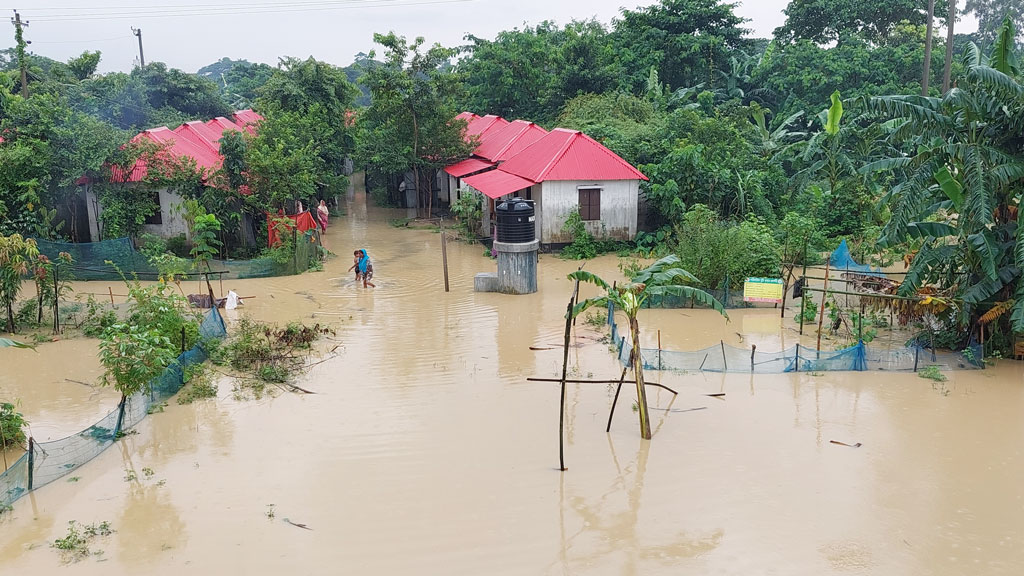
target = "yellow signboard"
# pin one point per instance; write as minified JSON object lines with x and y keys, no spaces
{"x":763,"y":290}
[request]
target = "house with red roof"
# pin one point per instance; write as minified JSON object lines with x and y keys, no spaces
{"x":560,"y":171}
{"x":198,"y":141}
{"x":498,"y":141}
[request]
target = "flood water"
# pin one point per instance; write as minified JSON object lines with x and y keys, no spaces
{"x":426,"y":451}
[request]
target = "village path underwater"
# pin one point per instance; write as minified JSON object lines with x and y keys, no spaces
{"x":426,"y":451}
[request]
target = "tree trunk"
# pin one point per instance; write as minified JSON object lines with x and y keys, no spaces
{"x":928,"y":49}
{"x":638,"y":373}
{"x":946,"y":71}
{"x":10,"y":318}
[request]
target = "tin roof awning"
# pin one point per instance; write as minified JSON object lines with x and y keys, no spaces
{"x":468,"y":166}
{"x":497,"y":183}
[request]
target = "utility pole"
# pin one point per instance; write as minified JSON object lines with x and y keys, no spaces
{"x":20,"y":43}
{"x":138,"y":33}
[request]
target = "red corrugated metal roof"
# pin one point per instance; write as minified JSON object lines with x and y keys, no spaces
{"x":467,"y":116}
{"x":497,"y":183}
{"x":220,"y":124}
{"x":468,"y":166}
{"x":569,"y":155}
{"x":247,"y":119}
{"x":200,"y":134}
{"x":482,"y":126}
{"x":509,"y":140}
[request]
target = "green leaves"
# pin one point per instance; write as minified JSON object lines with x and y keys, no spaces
{"x":950,"y":187}
{"x":7,"y":343}
{"x":1003,"y":57}
{"x":835,"y":114}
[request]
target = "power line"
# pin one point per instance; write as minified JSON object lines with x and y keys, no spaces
{"x":96,"y":41}
{"x":240,"y":10}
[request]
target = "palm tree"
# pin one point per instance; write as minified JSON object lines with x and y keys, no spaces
{"x":666,"y":277}
{"x":960,"y":183}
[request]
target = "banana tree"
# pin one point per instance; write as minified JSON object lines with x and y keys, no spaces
{"x":961,"y":184}
{"x":666,"y":277}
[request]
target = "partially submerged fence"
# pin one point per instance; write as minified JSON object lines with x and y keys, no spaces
{"x":45,"y":462}
{"x":859,"y":358}
{"x":90,"y":259}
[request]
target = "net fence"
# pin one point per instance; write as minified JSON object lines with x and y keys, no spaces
{"x":857,"y":358}
{"x":49,"y":461}
{"x":90,"y":259}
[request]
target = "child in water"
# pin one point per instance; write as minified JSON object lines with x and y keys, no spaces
{"x":356,"y":256}
{"x":363,"y":267}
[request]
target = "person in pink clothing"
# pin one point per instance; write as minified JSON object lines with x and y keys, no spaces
{"x":322,"y":213}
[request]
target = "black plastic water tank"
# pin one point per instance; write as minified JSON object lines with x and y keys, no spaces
{"x":516,"y":221}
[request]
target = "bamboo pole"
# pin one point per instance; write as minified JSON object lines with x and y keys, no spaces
{"x":565,"y":369}
{"x":824,"y":295}
{"x":618,"y":389}
{"x":111,"y":292}
{"x":572,"y":381}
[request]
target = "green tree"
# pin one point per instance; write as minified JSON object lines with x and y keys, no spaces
{"x":824,"y":21}
{"x":409,"y":126}
{"x":323,"y":97}
{"x":685,"y":40}
{"x":665,"y":277}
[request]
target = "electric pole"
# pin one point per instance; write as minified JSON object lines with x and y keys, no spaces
{"x":142,"y":59}
{"x":20,"y":43}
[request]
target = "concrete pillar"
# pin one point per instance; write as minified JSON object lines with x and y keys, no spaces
{"x":517,"y":267}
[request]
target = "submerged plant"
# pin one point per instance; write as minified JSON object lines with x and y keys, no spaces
{"x":666,"y":277}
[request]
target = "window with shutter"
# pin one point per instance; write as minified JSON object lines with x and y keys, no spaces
{"x":590,"y":203}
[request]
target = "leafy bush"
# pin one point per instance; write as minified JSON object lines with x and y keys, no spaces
{"x":97,"y":318}
{"x":11,"y":425}
{"x":179,"y":246}
{"x":468,"y":211}
{"x":715,"y":250}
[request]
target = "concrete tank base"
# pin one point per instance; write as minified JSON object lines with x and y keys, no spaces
{"x":517,"y":269}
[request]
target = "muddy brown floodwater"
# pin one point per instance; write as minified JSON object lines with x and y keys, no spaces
{"x":425,"y":450}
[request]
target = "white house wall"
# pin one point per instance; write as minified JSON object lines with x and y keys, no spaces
{"x":557,"y":199}
{"x":173,"y":221}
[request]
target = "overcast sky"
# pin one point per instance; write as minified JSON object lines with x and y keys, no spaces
{"x":330,"y":30}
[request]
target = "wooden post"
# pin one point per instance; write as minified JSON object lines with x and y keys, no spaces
{"x":31,"y":462}
{"x":120,"y":418}
{"x":804,"y":277}
{"x":444,"y":257}
{"x":56,"y":299}
{"x":111,"y":292}
{"x":182,"y":339}
{"x":725,"y":362}
{"x":797,"y":369}
{"x":824,"y":295}
{"x":220,"y":278}
{"x":860,"y":329}
{"x":753,"y":350}
{"x":917,"y":353}
{"x":659,"y":350}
